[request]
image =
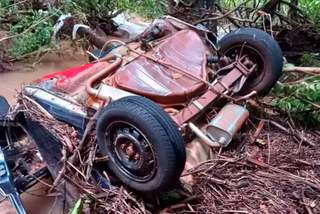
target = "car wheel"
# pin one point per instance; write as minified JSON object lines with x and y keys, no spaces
{"x":145,"y":147}
{"x":261,"y":49}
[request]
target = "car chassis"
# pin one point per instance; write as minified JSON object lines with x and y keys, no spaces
{"x":166,"y":74}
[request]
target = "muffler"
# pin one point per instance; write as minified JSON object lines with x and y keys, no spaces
{"x":227,"y":123}
{"x":218,"y":133}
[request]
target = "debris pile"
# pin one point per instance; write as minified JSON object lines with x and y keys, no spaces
{"x":275,"y":174}
{"x":293,"y":24}
{"x":273,"y":171}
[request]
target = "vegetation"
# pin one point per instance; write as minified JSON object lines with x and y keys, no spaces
{"x":30,"y":29}
{"x":297,"y":94}
{"x":310,"y":8}
{"x":300,"y":98}
{"x":20,"y":16}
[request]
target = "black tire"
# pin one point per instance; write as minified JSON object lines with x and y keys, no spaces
{"x":270,"y":65}
{"x":160,"y":131}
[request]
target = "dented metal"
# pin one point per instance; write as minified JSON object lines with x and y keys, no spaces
{"x":227,"y":123}
{"x":203,"y":137}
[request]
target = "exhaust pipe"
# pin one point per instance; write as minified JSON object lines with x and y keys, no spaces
{"x":223,"y":127}
{"x":102,"y":74}
{"x":203,"y":137}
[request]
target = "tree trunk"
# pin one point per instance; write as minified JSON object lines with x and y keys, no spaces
{"x":293,"y":14}
{"x":93,"y":38}
{"x":271,"y":6}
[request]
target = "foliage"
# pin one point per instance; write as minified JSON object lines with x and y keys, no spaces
{"x":306,"y":59}
{"x":78,"y":207}
{"x":104,"y":9}
{"x":32,"y":28}
{"x":145,"y":8}
{"x":232,"y":3}
{"x":310,"y":7}
{"x":39,"y":36}
{"x":302,"y":99}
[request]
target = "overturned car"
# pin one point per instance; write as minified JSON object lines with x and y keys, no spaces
{"x":157,"y":91}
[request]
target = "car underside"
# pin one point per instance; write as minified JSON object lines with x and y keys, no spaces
{"x":155,"y":96}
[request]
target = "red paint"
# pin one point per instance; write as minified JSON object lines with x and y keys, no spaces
{"x":68,"y":74}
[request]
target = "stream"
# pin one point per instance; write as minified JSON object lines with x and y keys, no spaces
{"x":23,"y":73}
{"x":35,"y":200}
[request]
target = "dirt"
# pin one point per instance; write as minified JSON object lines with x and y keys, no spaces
{"x":276,"y":174}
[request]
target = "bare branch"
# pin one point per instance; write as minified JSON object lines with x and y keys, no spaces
{"x":306,"y":70}
{"x":223,"y":16}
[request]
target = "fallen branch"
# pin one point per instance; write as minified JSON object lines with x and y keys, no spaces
{"x":307,"y":70}
{"x":258,"y":131}
{"x":140,"y":205}
{"x":68,"y":179}
{"x":286,"y":19}
{"x":62,"y":171}
{"x":89,"y":126}
{"x":283,"y":172}
{"x":296,"y":133}
{"x":230,"y":19}
{"x":223,"y":16}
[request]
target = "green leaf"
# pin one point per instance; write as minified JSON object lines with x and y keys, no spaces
{"x":313,"y":87}
{"x":288,"y":65}
{"x":77,"y":209}
{"x":277,"y":89}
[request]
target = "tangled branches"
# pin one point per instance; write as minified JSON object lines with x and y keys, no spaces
{"x":239,"y":13}
{"x":294,"y":26}
{"x":273,"y":173}
{"x":78,"y":160}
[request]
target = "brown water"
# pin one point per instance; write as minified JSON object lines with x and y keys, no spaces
{"x":35,"y":200}
{"x":23,"y":73}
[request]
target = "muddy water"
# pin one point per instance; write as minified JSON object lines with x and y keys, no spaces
{"x":23,"y":73}
{"x":35,"y":200}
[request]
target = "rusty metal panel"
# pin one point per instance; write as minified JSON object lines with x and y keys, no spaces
{"x":184,"y":50}
{"x":208,"y":98}
{"x":197,"y":152}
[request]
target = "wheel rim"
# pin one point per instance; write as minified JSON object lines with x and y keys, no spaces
{"x":253,"y":57}
{"x":131,"y":151}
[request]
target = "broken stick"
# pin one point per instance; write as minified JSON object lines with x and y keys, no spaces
{"x":296,"y":133}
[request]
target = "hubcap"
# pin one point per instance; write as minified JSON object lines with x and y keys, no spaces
{"x":131,"y":151}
